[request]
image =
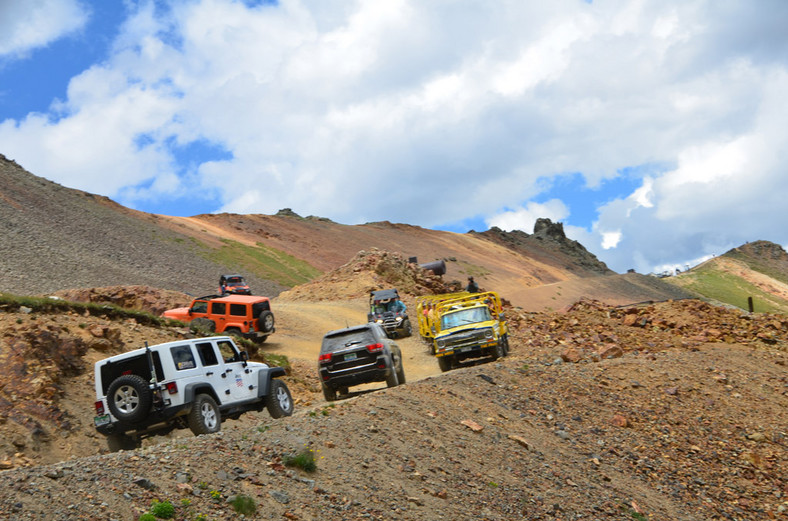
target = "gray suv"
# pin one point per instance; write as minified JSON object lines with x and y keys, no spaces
{"x":358,"y":355}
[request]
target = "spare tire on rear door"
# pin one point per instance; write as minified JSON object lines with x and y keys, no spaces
{"x":129,"y":398}
{"x":266,"y":322}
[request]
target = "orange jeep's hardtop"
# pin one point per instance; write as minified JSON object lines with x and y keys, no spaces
{"x":243,"y":315}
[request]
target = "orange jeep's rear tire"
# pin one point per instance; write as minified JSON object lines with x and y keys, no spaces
{"x":266,"y":322}
{"x":233,"y":331}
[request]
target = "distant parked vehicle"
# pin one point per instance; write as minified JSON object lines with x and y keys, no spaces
{"x":388,"y":310}
{"x":358,"y":355}
{"x":233,"y":285}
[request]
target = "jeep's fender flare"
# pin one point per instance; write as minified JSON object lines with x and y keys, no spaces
{"x":194,"y":389}
{"x":264,"y":377}
{"x":238,"y":325}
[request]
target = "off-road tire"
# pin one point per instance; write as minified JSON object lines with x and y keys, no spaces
{"x":234,"y":331}
{"x":129,"y":398}
{"x":391,"y":379}
{"x":205,"y":417}
{"x":202,"y":325}
{"x":329,"y":393}
{"x":497,"y":351}
{"x":401,"y":372}
{"x":505,"y":345}
{"x":266,"y":321}
{"x":445,"y":363}
{"x":279,"y":401}
{"x":407,"y":328}
{"x":116,"y":442}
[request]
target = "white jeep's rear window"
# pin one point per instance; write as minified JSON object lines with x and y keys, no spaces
{"x":183,"y":357}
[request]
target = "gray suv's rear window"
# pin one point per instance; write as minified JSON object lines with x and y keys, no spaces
{"x":343,"y":340}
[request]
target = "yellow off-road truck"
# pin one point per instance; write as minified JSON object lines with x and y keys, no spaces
{"x":463,"y":325}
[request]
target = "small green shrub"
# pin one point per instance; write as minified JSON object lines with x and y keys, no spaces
{"x":162,"y":509}
{"x":244,"y":505}
{"x":147,"y":517}
{"x":304,"y":460}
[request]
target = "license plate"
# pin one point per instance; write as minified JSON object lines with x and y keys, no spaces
{"x":465,"y":349}
{"x":351,"y":356}
{"x":101,"y":420}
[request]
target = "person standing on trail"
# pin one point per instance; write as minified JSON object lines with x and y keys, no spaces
{"x":472,"y":287}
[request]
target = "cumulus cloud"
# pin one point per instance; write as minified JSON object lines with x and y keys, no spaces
{"x":722,"y":194}
{"x":430,"y":112}
{"x":525,"y":217}
{"x":29,"y":24}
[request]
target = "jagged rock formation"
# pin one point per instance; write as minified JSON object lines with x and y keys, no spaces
{"x":549,"y":241}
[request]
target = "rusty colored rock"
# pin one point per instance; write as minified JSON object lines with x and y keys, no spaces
{"x":619,"y":420}
{"x":610,"y":351}
{"x":472,"y":425}
{"x":520,"y":440}
{"x":571,"y":355}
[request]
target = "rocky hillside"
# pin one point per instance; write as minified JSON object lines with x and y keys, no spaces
{"x":61,"y":239}
{"x":55,"y":238}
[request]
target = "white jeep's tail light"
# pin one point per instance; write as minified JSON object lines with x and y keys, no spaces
{"x":100,"y":408}
{"x":171,"y":387}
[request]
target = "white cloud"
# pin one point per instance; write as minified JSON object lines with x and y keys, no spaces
{"x":721,"y":194}
{"x":431,"y":112}
{"x":610,"y":239}
{"x":29,"y":24}
{"x":524,"y":218}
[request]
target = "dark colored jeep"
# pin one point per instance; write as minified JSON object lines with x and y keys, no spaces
{"x":388,"y":310}
{"x":358,"y":355}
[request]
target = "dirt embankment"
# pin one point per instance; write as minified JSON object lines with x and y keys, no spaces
{"x":672,"y":427}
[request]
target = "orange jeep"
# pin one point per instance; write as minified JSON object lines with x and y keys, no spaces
{"x":242,"y":315}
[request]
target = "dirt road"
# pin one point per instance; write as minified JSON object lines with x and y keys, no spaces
{"x":300,"y":328}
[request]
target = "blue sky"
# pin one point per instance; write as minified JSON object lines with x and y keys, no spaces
{"x":653,"y":129}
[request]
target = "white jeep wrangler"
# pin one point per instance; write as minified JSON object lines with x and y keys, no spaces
{"x":194,"y":383}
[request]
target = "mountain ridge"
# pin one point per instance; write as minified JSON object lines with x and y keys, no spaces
{"x":64,"y":239}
